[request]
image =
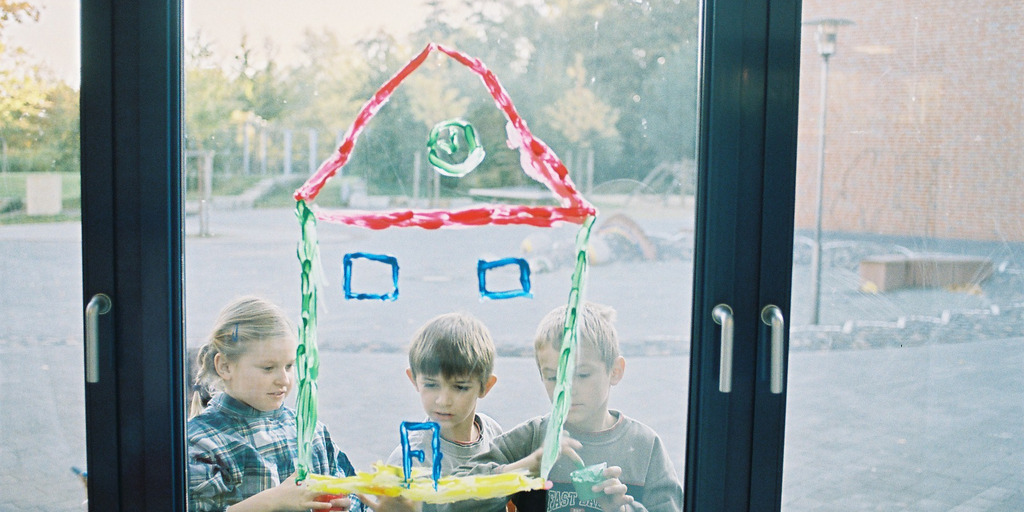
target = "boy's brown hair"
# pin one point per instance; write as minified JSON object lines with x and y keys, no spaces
{"x":596,"y":330}
{"x":453,"y":345}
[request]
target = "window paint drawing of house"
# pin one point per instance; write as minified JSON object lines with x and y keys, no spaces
{"x":537,"y":160}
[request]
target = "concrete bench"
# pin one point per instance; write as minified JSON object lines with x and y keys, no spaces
{"x":923,"y":271}
{"x":43,"y":194}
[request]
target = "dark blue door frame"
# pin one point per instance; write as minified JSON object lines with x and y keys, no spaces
{"x":744,"y":235}
{"x":775,"y":274}
{"x":131,"y":251}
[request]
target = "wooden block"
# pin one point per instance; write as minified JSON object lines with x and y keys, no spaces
{"x":885,"y":272}
{"x":947,"y":270}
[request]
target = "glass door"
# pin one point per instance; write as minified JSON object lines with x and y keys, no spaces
{"x":151,"y":194}
{"x":747,"y":159}
{"x":42,"y":411}
{"x":609,"y":87}
{"x":905,"y":389}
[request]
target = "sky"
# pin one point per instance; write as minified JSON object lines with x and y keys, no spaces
{"x":54,"y":39}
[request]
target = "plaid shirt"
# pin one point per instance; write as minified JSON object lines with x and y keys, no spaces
{"x":236,"y":451}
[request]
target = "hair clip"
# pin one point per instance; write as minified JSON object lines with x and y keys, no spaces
{"x":234,"y":337}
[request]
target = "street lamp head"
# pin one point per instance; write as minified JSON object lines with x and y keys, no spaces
{"x":826,"y":35}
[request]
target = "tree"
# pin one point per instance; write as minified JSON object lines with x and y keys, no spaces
{"x":38,"y":113}
{"x":583,"y":120}
{"x":640,"y":57}
{"x":24,"y":101}
{"x":22,"y":93}
{"x":60,"y":136}
{"x":385,"y":149}
{"x":432,"y":96}
{"x":579,"y":115}
{"x":210,"y":99}
{"x":326,"y":88}
{"x":645,"y":63}
{"x":17,"y":12}
{"x":261,"y":84}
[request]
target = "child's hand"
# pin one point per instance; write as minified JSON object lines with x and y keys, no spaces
{"x":615,"y":497}
{"x":568,"y":449}
{"x":531,"y":463}
{"x":387,"y":504}
{"x":337,"y":502}
{"x":289,"y":496}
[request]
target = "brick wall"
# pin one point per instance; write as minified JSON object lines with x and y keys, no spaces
{"x":925,"y":125}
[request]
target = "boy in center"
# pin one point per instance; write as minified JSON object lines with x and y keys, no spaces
{"x":451,"y":365}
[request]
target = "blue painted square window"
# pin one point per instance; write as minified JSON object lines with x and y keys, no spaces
{"x":482,"y":267}
{"x":382,"y":258}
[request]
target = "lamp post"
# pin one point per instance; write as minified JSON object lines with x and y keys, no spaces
{"x":826,"y":40}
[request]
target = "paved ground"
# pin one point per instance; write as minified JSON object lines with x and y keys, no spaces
{"x":918,"y":422}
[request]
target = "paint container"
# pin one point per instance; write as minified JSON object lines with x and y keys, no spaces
{"x":583,"y":480}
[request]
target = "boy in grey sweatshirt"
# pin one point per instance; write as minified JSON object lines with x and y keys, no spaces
{"x":639,"y":473}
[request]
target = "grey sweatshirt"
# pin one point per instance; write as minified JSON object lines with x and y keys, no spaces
{"x":646,"y":468}
{"x":453,"y":454}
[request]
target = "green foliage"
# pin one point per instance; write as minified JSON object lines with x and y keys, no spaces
{"x":619,"y":76}
{"x":325,"y":90}
{"x":501,"y":166}
{"x":385,"y":153}
{"x":38,"y":114}
{"x":614,"y":77}
{"x":260,"y":83}
{"x":579,"y":115}
{"x":23,"y":101}
{"x":59,"y":129}
{"x":38,"y":118}
{"x":210,"y":100}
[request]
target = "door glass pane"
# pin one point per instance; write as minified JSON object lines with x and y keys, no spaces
{"x":42,"y":409}
{"x":608,"y":86}
{"x":905,"y":382}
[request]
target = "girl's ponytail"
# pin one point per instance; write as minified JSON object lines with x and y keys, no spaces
{"x":204,"y":376}
{"x":197,"y":405}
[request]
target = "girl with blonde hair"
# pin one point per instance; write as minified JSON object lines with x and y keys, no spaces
{"x":242,"y":446}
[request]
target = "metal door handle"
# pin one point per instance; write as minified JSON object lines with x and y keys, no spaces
{"x":98,"y":305}
{"x":771,"y":315}
{"x":722,"y":314}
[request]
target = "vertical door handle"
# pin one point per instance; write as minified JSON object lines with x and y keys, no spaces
{"x":722,"y":314}
{"x":98,"y":305}
{"x":771,"y":315}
